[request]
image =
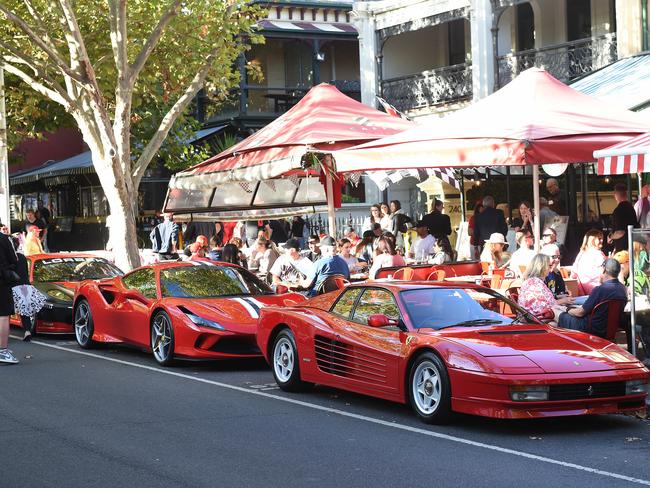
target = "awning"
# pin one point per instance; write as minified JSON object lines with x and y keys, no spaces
{"x":625,"y":83}
{"x":76,"y":165}
{"x":294,"y":194}
{"x":631,"y":156}
{"x":83,"y":163}
{"x":302,"y":27}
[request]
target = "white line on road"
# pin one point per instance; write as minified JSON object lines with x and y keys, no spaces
{"x":356,"y":416}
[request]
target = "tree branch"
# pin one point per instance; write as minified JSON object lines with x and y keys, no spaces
{"x":54,"y":95}
{"x":170,"y":117}
{"x":117,"y":9}
{"x":36,"y":39}
{"x":40,"y":24}
{"x":154,"y":37}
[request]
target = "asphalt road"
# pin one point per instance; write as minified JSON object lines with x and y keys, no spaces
{"x":112,"y":417}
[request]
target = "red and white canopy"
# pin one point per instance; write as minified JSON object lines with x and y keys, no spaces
{"x":323,"y":121}
{"x":535,"y":119}
{"x":631,"y":156}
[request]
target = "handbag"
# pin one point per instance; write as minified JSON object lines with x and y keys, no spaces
{"x":9,"y":277}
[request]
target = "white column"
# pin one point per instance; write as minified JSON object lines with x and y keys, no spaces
{"x":364,"y":21}
{"x":482,"y":48}
{"x":4,"y":160}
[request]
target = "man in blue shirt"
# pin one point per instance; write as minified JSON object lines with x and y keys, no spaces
{"x":578,"y":318}
{"x":329,"y":264}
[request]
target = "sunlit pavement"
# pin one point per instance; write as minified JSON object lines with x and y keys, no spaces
{"x":112,"y":417}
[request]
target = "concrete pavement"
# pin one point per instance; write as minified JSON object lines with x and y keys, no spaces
{"x":112,"y":417}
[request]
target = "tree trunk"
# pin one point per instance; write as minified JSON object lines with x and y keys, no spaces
{"x":122,"y":232}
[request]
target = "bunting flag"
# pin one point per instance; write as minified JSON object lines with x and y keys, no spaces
{"x":384,"y":178}
{"x":390,"y":110}
{"x":247,"y":186}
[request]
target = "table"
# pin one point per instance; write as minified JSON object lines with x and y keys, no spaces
{"x":468,"y":278}
{"x":358,"y":276}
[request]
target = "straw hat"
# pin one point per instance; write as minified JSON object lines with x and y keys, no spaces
{"x":496,"y":238}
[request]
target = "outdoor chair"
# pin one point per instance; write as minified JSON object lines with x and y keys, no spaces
{"x":614,"y":318}
{"x":405,"y":274}
{"x":437,"y":275}
{"x":332,"y":283}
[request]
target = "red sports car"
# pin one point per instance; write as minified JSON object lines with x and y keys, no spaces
{"x":192,"y":310}
{"x":57,"y":276}
{"x":447,"y":348}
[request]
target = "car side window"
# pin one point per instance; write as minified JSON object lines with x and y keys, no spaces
{"x":344,"y":304}
{"x":143,"y":280}
{"x":375,"y":301}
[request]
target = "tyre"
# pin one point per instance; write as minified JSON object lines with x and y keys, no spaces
{"x":83,"y":325}
{"x":285,"y":362}
{"x":162,"y":338}
{"x":429,"y":389}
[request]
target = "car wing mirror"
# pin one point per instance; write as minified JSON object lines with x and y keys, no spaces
{"x":378,"y":320}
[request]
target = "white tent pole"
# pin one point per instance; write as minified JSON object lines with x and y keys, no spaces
{"x":331,"y":213}
{"x":536,"y":220}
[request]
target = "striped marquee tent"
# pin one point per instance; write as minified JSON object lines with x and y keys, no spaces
{"x":631,"y":156}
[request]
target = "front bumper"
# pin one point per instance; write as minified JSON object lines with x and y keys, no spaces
{"x":488,"y":395}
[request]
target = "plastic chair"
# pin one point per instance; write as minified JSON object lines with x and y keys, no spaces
{"x":497,"y":278}
{"x":437,"y":275}
{"x":614,"y":314}
{"x":565,"y":272}
{"x":332,"y":283}
{"x":405,"y":274}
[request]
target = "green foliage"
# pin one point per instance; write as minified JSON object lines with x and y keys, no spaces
{"x":198,"y":28}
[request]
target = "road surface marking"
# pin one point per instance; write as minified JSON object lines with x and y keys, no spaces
{"x":385,"y":423}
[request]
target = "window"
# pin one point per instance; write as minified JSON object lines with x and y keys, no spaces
{"x":73,"y":269}
{"x":344,"y":304}
{"x":525,"y":27}
{"x":210,"y":281}
{"x":375,"y":301}
{"x":143,"y":280}
{"x":93,"y":202}
{"x":456,"y":34}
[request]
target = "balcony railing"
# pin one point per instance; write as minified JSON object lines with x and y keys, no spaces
{"x":429,"y":88}
{"x":565,"y":61}
{"x":265,"y":101}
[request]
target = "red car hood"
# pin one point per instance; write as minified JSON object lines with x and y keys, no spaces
{"x":236,"y":314}
{"x":551,"y":349}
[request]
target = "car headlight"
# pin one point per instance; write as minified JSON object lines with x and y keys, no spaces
{"x":203,"y":322}
{"x":636,"y":387}
{"x":59,"y":295}
{"x":529,"y":393}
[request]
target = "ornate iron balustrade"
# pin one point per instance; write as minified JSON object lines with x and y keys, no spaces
{"x":433,"y":87}
{"x":565,"y":61}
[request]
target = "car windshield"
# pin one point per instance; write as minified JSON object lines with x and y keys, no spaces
{"x":210,"y":282}
{"x":437,"y":308}
{"x":73,"y":269}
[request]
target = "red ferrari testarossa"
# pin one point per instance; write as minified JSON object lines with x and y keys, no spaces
{"x":445,"y":348}
{"x":192,"y":310}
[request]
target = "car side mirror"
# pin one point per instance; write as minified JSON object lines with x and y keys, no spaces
{"x":378,"y":320}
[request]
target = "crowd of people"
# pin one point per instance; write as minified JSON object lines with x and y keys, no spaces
{"x":285,"y":253}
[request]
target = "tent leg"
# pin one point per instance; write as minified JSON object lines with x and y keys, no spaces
{"x":331,"y":214}
{"x":536,"y":221}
